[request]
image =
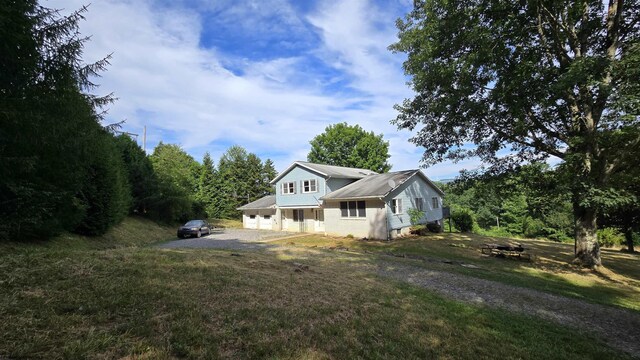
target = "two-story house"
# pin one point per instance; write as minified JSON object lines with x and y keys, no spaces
{"x":337,"y":200}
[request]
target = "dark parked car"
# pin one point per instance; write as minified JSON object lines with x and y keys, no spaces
{"x":194,"y":228}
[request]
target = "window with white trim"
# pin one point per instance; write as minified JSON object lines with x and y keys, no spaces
{"x":396,"y":206}
{"x":435,"y":203}
{"x":419,"y":206}
{"x":289,"y":188}
{"x":353,"y":209}
{"x":309,"y":186}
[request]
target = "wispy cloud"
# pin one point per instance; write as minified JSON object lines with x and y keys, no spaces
{"x":268,"y":75}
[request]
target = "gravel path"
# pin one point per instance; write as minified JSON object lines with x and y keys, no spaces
{"x":618,"y":327}
{"x":232,"y":239}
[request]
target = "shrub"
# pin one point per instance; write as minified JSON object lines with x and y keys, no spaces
{"x":532,"y":227}
{"x":609,"y":237}
{"x":419,"y":230}
{"x":415,"y":216}
{"x":463,"y":219}
{"x":434,"y":227}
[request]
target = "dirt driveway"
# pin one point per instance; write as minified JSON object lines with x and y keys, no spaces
{"x":232,"y":239}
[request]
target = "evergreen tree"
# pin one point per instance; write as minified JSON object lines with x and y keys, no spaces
{"x":105,"y":195}
{"x":207,"y":187}
{"x":268,"y":173}
{"x":142,"y":179}
{"x":49,"y":125}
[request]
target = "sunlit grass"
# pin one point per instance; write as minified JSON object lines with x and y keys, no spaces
{"x":152,"y":303}
{"x":550,"y":270}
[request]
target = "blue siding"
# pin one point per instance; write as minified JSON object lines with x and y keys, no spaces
{"x":408,"y":192}
{"x":298,"y":175}
{"x":334,"y":184}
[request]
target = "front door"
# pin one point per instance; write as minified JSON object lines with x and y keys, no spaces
{"x":319,"y":225}
{"x":298,"y":217}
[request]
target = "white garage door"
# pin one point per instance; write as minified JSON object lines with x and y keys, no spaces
{"x":252,"y":222}
{"x":265,"y":222}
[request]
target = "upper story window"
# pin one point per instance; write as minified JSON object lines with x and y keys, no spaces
{"x":396,"y":206}
{"x":289,"y":188}
{"x":435,"y":203}
{"x":350,"y":209}
{"x":419,"y":205}
{"x":309,"y":186}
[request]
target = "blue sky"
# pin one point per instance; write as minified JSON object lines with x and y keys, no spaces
{"x":267,"y":75}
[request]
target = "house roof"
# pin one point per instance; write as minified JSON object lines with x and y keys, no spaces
{"x":377,"y":186}
{"x":328,"y":171}
{"x":267,"y":202}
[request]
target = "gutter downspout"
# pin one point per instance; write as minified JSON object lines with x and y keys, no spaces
{"x":386,"y":219}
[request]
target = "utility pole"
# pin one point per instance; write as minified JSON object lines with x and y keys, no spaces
{"x":144,"y":139}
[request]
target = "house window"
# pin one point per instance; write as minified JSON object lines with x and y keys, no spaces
{"x":267,"y":217}
{"x":419,"y":204}
{"x":435,"y":203}
{"x":252,"y":216}
{"x":309,"y":186}
{"x":396,"y":206}
{"x":289,"y":188}
{"x":353,"y":209}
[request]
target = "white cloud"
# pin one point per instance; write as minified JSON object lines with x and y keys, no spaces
{"x":185,"y":93}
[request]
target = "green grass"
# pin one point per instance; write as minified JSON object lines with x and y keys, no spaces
{"x":550,"y":270}
{"x":226,"y":223}
{"x":106,"y":300}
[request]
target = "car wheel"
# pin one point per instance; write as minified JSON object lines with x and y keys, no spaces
{"x":198,"y":234}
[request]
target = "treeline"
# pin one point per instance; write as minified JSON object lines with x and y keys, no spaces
{"x":535,"y":202}
{"x":61,"y":170}
{"x":179,"y":188}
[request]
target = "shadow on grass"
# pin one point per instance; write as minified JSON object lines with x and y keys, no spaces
{"x":163,"y":303}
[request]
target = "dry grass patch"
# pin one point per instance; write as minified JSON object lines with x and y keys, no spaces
{"x":550,"y":270}
{"x":151,"y":303}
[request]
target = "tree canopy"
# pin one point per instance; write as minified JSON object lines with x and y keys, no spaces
{"x":345,"y":145}
{"x":58,"y":167}
{"x":526,"y":80}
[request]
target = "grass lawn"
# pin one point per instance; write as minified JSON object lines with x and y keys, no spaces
{"x":97,"y":298}
{"x":550,"y":270}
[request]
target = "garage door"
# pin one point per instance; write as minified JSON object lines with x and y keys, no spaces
{"x":252,"y":222}
{"x":265,"y":222}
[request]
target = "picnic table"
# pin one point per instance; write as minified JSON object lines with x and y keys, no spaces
{"x":504,"y":250}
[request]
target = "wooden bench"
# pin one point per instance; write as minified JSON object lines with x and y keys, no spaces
{"x":504,"y":250}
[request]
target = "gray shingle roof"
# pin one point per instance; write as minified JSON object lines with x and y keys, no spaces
{"x":329,"y":171}
{"x":267,"y":202}
{"x":372,"y":186}
{"x":376,"y":186}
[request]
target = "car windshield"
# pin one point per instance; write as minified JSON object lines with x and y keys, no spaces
{"x":193,"y":223}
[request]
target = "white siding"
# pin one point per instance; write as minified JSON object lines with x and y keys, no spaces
{"x":373,"y":226}
{"x":259,"y":222}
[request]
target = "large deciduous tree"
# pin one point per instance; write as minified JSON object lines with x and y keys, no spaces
{"x":534,"y":79}
{"x":345,"y":145}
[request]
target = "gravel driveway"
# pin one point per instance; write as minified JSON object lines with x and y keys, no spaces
{"x":618,"y":327}
{"x":232,"y":239}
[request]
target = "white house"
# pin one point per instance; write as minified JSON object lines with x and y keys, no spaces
{"x":342,"y":201}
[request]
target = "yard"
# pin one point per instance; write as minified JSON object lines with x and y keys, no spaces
{"x":617,"y":285}
{"x":118,"y":297}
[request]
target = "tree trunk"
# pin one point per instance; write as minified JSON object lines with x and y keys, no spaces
{"x":628,"y":235}
{"x":587,"y":251}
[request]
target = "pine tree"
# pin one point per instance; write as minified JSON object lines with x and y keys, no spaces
{"x":49,"y":123}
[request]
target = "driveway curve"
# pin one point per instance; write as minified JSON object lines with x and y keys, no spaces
{"x":232,"y":239}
